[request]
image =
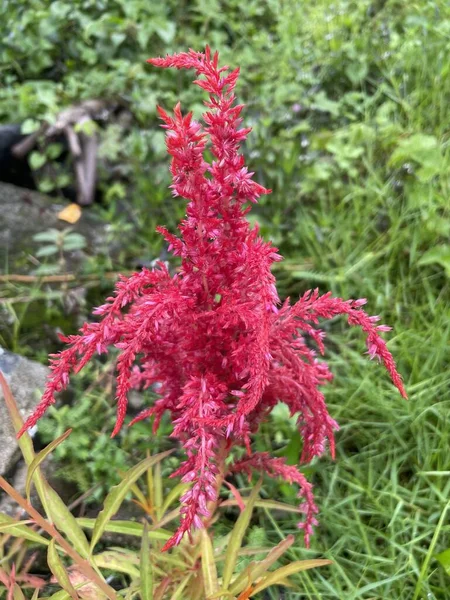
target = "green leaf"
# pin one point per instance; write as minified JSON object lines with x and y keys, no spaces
{"x":278,"y":576}
{"x":237,"y":535}
{"x":178,"y":593}
{"x":174,"y":493}
{"x":268,"y":504}
{"x":46,"y":251}
{"x":17,"y":593}
{"x":19,"y":530}
{"x":37,"y":160}
{"x":126,"y":528}
{"x":65,"y":521}
{"x":58,"y":570}
{"x":423,"y":149}
{"x":51,"y":235}
{"x":146,"y":567}
{"x":357,"y":71}
{"x":166,"y":31}
{"x":324,"y":104}
{"x":74,"y":241}
{"x":40,"y":457}
{"x":46,"y":185}
{"x":117,"y":494}
{"x":443,"y":559}
{"x":257,"y":569}
{"x":209,"y":569}
{"x":122,"y":561}
{"x":29,"y":126}
{"x":439,"y":255}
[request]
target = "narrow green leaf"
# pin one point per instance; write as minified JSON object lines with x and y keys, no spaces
{"x":19,"y":530}
{"x":40,"y":457}
{"x":177,"y":595}
{"x":257,"y":569}
{"x":237,"y":535}
{"x":158,"y":493}
{"x":17,"y":593}
{"x":58,"y":570}
{"x":443,"y":559}
{"x":65,"y":521}
{"x":117,"y":494}
{"x":7,"y":526}
{"x":126,"y":528}
{"x":146,"y":567}
{"x":117,"y":560}
{"x":174,"y":493}
{"x":278,"y":576}
{"x":209,"y":568}
{"x":269,"y":504}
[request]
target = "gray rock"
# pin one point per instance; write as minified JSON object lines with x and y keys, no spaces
{"x":24,"y":213}
{"x":26,"y":379}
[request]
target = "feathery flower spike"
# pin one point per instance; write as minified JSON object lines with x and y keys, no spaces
{"x":213,"y":339}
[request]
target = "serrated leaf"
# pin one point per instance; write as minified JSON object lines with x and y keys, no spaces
{"x":146,"y":567}
{"x":209,"y":569}
{"x":58,"y":570}
{"x":117,"y":494}
{"x":126,"y":528}
{"x":278,"y":576}
{"x":443,"y":559}
{"x":237,"y":535}
{"x":42,"y":455}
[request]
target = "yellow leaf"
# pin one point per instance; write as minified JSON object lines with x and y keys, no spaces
{"x":70,"y":214}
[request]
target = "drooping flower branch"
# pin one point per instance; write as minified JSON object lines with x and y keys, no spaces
{"x":212,"y":339}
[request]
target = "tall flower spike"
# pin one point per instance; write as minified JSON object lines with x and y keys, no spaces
{"x":212,"y":340}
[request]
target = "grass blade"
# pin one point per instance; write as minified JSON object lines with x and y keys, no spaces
{"x":278,"y":576}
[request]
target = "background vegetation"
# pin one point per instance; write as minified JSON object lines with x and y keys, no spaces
{"x":349,"y":103}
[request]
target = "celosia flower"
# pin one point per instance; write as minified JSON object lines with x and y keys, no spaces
{"x":213,"y":339}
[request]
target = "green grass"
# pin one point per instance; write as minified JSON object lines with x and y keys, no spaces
{"x":356,"y":208}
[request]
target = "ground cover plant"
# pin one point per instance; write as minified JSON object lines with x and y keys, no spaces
{"x":348,"y":106}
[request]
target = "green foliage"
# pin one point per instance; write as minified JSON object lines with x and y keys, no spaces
{"x":349,"y":105}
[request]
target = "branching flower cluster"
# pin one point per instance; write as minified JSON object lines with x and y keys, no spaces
{"x":214,"y":340}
